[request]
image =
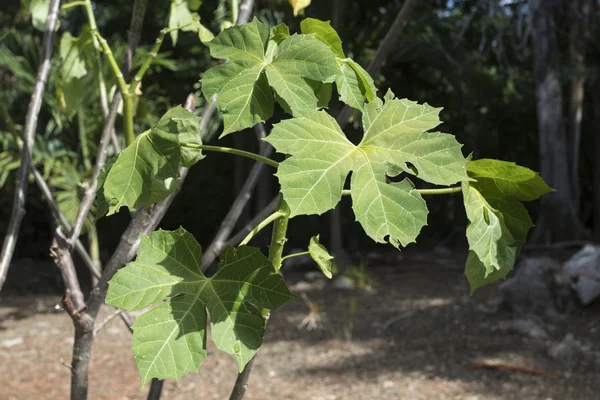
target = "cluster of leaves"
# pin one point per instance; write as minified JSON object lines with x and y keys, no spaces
{"x":298,"y":72}
{"x":498,"y":221}
{"x":300,"y":69}
{"x":170,"y":339}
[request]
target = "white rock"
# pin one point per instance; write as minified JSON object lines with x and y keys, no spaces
{"x":582,"y":272}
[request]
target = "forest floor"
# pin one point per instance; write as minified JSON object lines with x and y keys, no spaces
{"x":417,"y":335}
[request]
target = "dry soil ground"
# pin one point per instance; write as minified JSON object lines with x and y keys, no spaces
{"x":418,"y":336}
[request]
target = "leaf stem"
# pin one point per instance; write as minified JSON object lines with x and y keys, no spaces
{"x":303,"y":253}
{"x":113,"y":63}
{"x":73,"y":4}
{"x":424,"y":192}
{"x":148,"y":62}
{"x":123,"y":86}
{"x":261,"y":226}
{"x":449,"y":190}
{"x":229,"y":150}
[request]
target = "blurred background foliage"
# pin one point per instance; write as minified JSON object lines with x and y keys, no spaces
{"x":472,"y":57}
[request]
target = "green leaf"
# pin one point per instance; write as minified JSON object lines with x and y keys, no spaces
{"x":170,"y":339}
{"x":313,"y":177}
{"x":496,"y":194}
{"x":257,"y":64}
{"x":279,"y":33}
{"x":39,"y":10}
{"x":73,"y":53}
{"x":515,"y":216}
{"x":355,"y":84}
{"x":477,"y":275}
{"x":147,"y":171}
{"x":320,"y":255}
{"x":325,"y":33}
{"x":502,"y":178}
{"x":187,"y":125}
{"x":181,"y":17}
{"x":488,"y":236}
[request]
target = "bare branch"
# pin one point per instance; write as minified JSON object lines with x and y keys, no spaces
{"x":232,"y":217}
{"x":90,"y":193}
{"x":35,"y":104}
{"x":268,"y":210}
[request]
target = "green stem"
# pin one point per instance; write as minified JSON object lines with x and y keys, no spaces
{"x":123,"y":86}
{"x":148,"y":62}
{"x":261,"y":226}
{"x":229,"y":150}
{"x":303,"y":253}
{"x":278,"y":238}
{"x":113,"y":63}
{"x":73,"y":4}
{"x":235,"y":9}
{"x":85,"y":151}
{"x":440,"y":191}
{"x":425,"y":192}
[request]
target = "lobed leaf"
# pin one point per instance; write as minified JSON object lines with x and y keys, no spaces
{"x":147,"y":171}
{"x":260,"y":59}
{"x":320,"y":255}
{"x":312,"y":178}
{"x":170,"y":339}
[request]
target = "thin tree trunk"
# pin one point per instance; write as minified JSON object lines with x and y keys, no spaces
{"x":579,"y":17}
{"x":596,"y":174}
{"x":558,"y":219}
{"x":33,"y":111}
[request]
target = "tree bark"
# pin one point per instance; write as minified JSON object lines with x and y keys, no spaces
{"x":596,"y":174}
{"x":579,"y":20}
{"x":558,"y":218}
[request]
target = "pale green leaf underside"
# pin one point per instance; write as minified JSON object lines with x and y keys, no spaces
{"x":497,"y":190}
{"x":180,"y":16}
{"x":169,"y":340}
{"x":320,"y":255}
{"x":147,"y":171}
{"x":243,"y":85}
{"x":487,"y":233}
{"x":312,"y":179}
{"x":354,"y":84}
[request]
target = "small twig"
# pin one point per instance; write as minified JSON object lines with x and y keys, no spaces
{"x":509,"y":367}
{"x":90,"y":193}
{"x":106,"y":320}
{"x":35,"y":104}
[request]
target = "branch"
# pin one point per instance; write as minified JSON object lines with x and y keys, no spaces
{"x":232,"y":217}
{"x":383,"y":51}
{"x":269,"y":209}
{"x":35,"y":104}
{"x":90,"y":192}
